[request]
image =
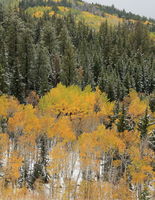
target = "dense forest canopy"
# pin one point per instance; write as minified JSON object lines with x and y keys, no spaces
{"x":36,"y":53}
{"x":77,"y":102}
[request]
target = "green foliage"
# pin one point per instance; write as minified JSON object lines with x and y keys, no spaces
{"x":145,"y":195}
{"x":38,"y":52}
{"x":143,"y":125}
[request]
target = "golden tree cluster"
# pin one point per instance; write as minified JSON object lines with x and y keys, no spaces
{"x":76,"y":144}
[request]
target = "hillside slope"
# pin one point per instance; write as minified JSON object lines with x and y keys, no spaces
{"x":77,"y":106}
{"x":92,"y":14}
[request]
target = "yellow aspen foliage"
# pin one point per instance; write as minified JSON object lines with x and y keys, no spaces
{"x":151,"y":128}
{"x":9,"y":105}
{"x":13,"y":164}
{"x":46,"y":122}
{"x":27,"y":144}
{"x":38,"y":14}
{"x":70,"y":185}
{"x":51,"y":13}
{"x":116,"y":163}
{"x":21,"y":193}
{"x":62,"y":129}
{"x":130,"y":138}
{"x":24,"y":121}
{"x":6,"y":192}
{"x":107,"y":109}
{"x":108,"y":140}
{"x":57,"y":1}
{"x":140,"y":167}
{"x":38,"y":11}
{"x":63,"y":9}
{"x":102,"y":106}
{"x":64,"y":101}
{"x":93,"y":144}
{"x":72,"y":101}
{"x":137,"y":107}
{"x":121,"y":191}
{"x":32,"y":98}
{"x":95,"y":190}
{"x":4,"y":143}
{"x":88,"y":152}
{"x":58,"y":159}
{"x":70,"y":140}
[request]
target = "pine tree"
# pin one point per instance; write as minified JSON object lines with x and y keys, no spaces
{"x":17,"y":87}
{"x":96,"y":68}
{"x":4,"y":77}
{"x":42,"y":69}
{"x":27,"y":59}
{"x":143,"y":125}
{"x":122,"y":123}
{"x":68,"y":62}
{"x":4,"y":85}
{"x":50,"y":38}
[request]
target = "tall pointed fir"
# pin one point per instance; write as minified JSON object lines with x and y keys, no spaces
{"x":14,"y":34}
{"x":42,"y":71}
{"x":68,"y":72}
{"x":27,"y":59}
{"x":17,"y":85}
{"x":4,"y":81}
{"x":50,"y":38}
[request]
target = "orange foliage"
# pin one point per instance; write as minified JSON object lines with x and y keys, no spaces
{"x":76,"y":132}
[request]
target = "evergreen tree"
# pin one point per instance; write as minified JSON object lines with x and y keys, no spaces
{"x":27,"y":59}
{"x":42,"y":69}
{"x":50,"y":38}
{"x":4,"y":85}
{"x":123,"y":121}
{"x":17,"y":86}
{"x":143,"y":125}
{"x":4,"y":77}
{"x":68,"y":62}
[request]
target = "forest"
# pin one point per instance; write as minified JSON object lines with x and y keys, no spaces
{"x":38,"y":53}
{"x":76,"y":144}
{"x":77,"y":102}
